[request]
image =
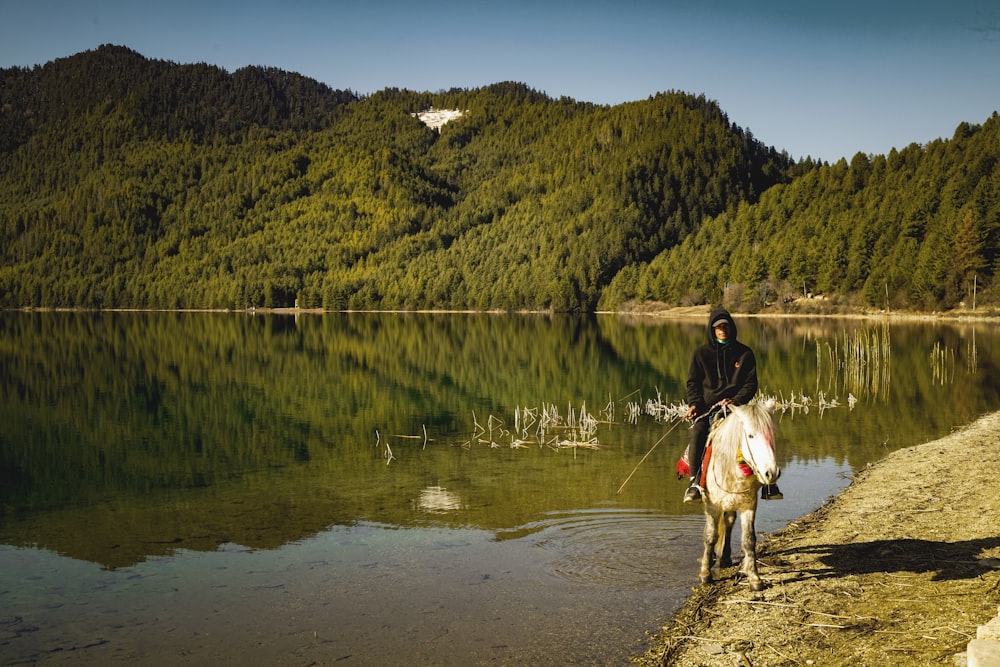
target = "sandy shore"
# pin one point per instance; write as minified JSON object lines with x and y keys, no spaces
{"x":901,"y":568}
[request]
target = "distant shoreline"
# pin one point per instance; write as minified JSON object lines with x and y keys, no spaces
{"x":644,"y":312}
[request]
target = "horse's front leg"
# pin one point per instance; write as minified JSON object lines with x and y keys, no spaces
{"x":749,"y":544}
{"x":726,"y":531}
{"x":710,"y":537}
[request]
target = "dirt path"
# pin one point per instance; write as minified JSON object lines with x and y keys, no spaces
{"x":899,"y":569}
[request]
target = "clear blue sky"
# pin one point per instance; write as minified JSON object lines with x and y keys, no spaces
{"x":821,"y":79}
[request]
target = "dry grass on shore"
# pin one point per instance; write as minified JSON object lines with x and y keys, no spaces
{"x":899,"y":569}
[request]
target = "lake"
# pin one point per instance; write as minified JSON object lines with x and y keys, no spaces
{"x":195,"y":488}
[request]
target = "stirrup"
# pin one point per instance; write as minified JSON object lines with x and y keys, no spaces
{"x":771,"y":492}
{"x":693,"y":493}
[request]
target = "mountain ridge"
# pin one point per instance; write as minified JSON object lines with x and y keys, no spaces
{"x":130,"y":182}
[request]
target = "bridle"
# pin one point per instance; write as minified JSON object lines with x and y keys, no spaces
{"x":747,"y":452}
{"x":743,"y":450}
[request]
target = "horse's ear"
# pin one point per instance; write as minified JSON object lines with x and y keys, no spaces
{"x":768,"y":404}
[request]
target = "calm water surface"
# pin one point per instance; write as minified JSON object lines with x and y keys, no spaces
{"x":403,"y":489}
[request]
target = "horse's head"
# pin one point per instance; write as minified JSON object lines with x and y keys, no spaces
{"x":757,"y":445}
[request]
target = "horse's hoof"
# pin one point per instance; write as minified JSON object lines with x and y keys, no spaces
{"x":705,"y":578}
{"x":757,"y":586}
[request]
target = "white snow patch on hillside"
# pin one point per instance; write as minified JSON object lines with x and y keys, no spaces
{"x":435,"y":118}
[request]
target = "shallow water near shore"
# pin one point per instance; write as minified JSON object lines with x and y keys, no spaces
{"x":367,"y":594}
{"x":213,"y":488}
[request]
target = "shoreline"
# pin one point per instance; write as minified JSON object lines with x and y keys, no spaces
{"x":902,"y":567}
{"x":652,"y":312}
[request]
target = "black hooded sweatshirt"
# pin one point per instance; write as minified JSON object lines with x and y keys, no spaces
{"x":721,"y":371}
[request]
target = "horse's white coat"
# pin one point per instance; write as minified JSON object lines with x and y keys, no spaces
{"x":747,"y":433}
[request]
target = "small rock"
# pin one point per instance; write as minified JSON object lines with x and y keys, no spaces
{"x":983,"y":653}
{"x":989,"y":631}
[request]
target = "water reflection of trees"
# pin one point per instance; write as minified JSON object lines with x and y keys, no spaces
{"x":224,"y":422}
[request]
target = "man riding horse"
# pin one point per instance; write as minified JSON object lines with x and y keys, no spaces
{"x":723,"y":372}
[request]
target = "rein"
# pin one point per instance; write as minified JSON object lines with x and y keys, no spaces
{"x":646,"y":456}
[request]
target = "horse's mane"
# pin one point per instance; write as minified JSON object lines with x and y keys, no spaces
{"x":726,"y":433}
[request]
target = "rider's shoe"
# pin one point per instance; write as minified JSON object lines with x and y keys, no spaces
{"x":771,"y":492}
{"x":693,"y":494}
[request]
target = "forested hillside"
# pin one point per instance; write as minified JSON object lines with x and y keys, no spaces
{"x":135,"y":183}
{"x":917,"y":229}
{"x":127,"y":182}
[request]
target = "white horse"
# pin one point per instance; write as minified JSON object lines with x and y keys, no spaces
{"x":741,"y":461}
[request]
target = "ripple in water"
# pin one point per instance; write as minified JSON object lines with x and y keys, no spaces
{"x":626,"y":549}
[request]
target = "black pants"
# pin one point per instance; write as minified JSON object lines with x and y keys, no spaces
{"x":696,"y":446}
